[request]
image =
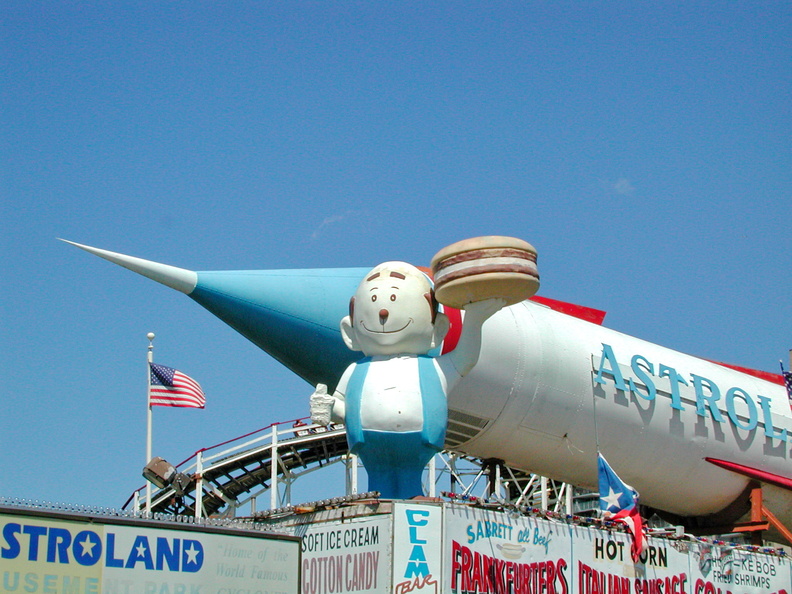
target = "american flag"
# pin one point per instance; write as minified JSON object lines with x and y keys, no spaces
{"x":619,"y":502}
{"x":169,"y":387}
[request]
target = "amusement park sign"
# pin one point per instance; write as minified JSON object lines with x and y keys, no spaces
{"x":56,"y":554}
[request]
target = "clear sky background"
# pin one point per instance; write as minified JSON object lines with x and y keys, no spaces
{"x":644,"y":149}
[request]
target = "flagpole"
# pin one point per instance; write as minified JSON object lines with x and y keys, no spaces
{"x":594,"y":414}
{"x":150,"y":357}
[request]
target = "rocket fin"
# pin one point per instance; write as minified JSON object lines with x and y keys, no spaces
{"x":589,"y":314}
{"x":768,"y":376}
{"x":176,"y":278}
{"x":754,"y":473}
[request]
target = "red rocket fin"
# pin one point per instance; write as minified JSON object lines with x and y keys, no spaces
{"x":768,"y":376}
{"x":589,"y":314}
{"x":759,"y":475}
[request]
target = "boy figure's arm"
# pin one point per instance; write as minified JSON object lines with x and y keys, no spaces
{"x":330,"y":408}
{"x":466,"y":354}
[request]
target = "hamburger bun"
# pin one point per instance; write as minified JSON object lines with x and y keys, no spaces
{"x":485,"y":268}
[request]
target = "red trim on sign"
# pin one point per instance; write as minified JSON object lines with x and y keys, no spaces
{"x":760,"y":475}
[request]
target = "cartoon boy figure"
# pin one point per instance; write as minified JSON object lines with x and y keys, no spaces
{"x":393,"y":401}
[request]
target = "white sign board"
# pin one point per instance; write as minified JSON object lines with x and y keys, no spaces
{"x":603,"y":560}
{"x":716,"y":568}
{"x":345,"y":555}
{"x":488,"y":551}
{"x":417,"y":548}
{"x":48,"y":554}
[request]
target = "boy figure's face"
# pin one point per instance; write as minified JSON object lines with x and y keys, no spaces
{"x":391,"y":313}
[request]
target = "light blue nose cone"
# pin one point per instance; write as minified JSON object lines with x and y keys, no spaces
{"x":293,"y":315}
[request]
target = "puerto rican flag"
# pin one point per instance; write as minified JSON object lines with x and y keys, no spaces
{"x":619,"y":502}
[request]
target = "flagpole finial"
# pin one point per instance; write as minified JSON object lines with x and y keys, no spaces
{"x":150,"y":336}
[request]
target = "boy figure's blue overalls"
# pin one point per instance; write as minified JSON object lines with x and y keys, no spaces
{"x":395,"y":460}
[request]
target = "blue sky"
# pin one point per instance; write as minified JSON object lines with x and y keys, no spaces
{"x":644,"y":149}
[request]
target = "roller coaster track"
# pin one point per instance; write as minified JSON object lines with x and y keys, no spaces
{"x":218,"y":480}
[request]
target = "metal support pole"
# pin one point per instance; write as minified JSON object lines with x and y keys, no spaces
{"x":545,"y":495}
{"x":491,"y":467}
{"x":199,"y":486}
{"x":431,"y":475}
{"x":453,"y":478}
{"x":351,"y":474}
{"x":274,"y":473}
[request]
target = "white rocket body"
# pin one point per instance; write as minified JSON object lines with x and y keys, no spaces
{"x":542,"y":388}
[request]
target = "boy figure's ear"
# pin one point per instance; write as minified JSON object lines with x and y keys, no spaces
{"x":441,"y":326}
{"x":347,"y":329}
{"x":348,"y":334}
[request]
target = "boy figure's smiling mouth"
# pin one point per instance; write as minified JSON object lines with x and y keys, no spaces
{"x":367,"y":329}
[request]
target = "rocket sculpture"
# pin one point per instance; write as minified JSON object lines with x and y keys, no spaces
{"x":689,"y":434}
